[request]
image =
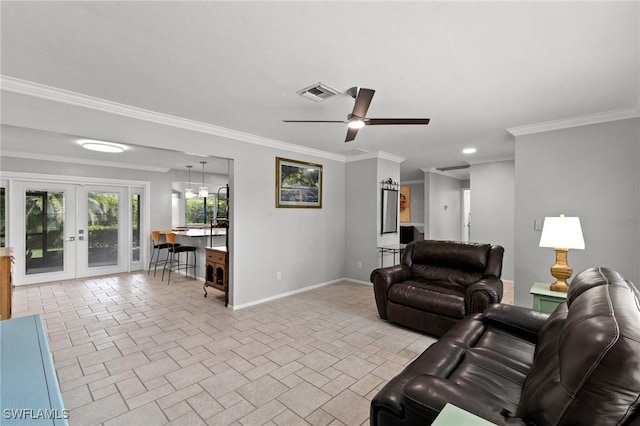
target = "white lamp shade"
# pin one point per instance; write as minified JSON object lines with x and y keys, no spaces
{"x":562,"y":232}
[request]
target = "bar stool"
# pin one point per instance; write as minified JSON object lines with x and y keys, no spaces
{"x":156,"y":248}
{"x":173,"y":258}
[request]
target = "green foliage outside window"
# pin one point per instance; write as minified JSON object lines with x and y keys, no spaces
{"x":102,"y":220}
{"x":195,"y":210}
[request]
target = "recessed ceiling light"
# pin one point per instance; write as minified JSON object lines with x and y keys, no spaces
{"x":102,"y":146}
{"x":469,"y":151}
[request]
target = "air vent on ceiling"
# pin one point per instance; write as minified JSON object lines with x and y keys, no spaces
{"x":318,"y":92}
{"x":446,"y":169}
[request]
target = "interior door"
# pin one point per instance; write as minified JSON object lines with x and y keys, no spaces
{"x":43,"y":217}
{"x":102,"y":236}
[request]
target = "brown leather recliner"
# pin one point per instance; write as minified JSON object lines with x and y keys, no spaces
{"x":438,"y":283}
{"x":513,"y":365}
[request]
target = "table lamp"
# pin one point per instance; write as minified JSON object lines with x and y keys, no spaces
{"x":561,"y":233}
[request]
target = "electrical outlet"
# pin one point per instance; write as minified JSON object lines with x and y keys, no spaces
{"x":359,"y":264}
{"x":279,"y":275}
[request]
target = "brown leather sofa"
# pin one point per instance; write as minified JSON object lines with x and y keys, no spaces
{"x":438,"y":283}
{"x":513,"y":365}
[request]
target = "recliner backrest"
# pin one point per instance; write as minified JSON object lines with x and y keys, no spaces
{"x":586,"y":368}
{"x":458,"y":262}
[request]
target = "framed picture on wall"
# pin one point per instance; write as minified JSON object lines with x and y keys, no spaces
{"x":298,"y":184}
{"x":405,"y":204}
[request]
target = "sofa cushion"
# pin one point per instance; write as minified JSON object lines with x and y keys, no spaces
{"x":586,"y":368}
{"x":430,"y":295}
{"x":472,"y":355}
{"x":495,"y":368}
{"x":452,"y":261}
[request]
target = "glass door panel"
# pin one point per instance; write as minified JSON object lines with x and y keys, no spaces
{"x":44,"y":232}
{"x":102,"y":228}
{"x":103,"y":238}
{"x":135,"y":228}
{"x":44,"y":238}
{"x":3,"y":215}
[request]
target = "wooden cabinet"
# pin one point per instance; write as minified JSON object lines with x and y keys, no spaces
{"x":217,"y":271}
{"x":6,"y":284}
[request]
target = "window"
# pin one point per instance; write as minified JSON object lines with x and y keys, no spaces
{"x":199,"y":211}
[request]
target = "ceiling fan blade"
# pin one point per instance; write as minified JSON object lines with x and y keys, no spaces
{"x":314,"y":121}
{"x":351,"y":134}
{"x":388,"y":121}
{"x":363,"y":100}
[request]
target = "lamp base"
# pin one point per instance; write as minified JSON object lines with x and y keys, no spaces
{"x":561,"y":271}
{"x":559,"y":286}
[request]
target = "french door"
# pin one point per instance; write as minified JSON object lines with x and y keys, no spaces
{"x":64,"y":231}
{"x":102,"y":230}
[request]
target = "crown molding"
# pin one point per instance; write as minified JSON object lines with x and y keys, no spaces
{"x":583,"y":120}
{"x":376,"y":154}
{"x":435,"y":171}
{"x":496,"y":159}
{"x":83,"y":161}
{"x":391,"y":157}
{"x":41,"y":91}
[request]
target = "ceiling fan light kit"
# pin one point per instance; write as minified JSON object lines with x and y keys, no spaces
{"x":358,"y":117}
{"x":356,"y":123}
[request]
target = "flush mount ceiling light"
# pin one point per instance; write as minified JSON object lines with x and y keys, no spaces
{"x":102,"y":146}
{"x":469,"y":151}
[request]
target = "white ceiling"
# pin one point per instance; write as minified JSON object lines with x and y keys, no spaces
{"x":475,"y":68}
{"x":46,"y":145}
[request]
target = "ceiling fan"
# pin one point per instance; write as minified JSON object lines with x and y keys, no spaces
{"x":357,"y":119}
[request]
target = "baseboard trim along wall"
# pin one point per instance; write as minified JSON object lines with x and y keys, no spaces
{"x":302,"y":290}
{"x":281,"y":295}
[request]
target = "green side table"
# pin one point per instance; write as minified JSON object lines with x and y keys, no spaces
{"x":455,"y":416}
{"x":546,"y":300}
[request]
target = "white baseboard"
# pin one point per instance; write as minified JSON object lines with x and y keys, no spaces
{"x":281,"y":295}
{"x":311,"y":287}
{"x":351,"y":280}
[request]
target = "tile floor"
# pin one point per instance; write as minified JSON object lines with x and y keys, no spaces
{"x":131,"y":350}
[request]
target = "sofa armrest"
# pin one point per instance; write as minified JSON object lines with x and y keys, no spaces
{"x":382,"y":279}
{"x":483,"y":293}
{"x":426,"y":395}
{"x":521,"y":321}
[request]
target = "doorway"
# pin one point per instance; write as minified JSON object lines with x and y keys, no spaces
{"x":466,"y":215}
{"x":66,"y":230}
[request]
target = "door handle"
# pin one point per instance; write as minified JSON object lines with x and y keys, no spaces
{"x":70,"y":239}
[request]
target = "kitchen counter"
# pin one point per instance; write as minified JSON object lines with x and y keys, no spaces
{"x":198,"y":232}
{"x":200,"y":238}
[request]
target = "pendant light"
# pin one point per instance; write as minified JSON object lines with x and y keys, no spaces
{"x":188,"y":193}
{"x":203,"y":191}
